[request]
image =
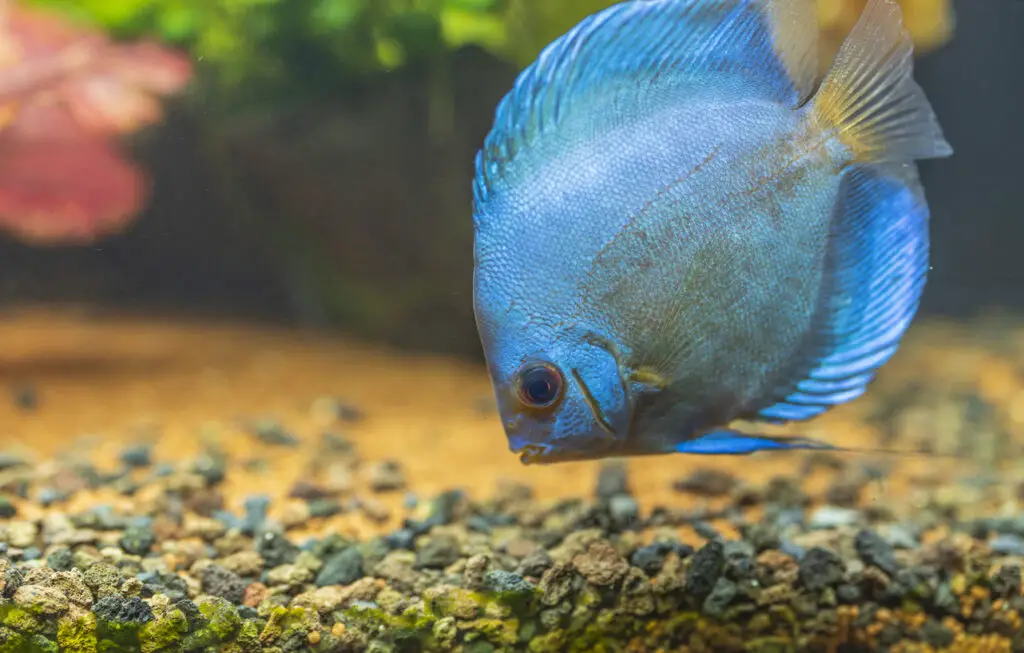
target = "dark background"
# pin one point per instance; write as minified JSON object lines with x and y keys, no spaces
{"x":376,"y":201}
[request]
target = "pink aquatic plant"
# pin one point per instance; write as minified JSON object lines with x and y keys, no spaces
{"x":66,"y":93}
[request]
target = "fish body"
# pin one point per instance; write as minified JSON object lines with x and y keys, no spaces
{"x":678,"y":226}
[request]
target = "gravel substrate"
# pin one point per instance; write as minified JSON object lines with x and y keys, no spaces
{"x":339,"y":525}
{"x":505,"y":573}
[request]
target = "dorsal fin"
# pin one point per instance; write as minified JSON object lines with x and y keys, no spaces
{"x":876,"y":272}
{"x":770,"y":45}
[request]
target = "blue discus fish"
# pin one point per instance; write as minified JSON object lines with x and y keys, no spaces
{"x":679,"y":225}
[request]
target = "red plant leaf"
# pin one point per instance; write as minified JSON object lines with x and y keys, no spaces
{"x":66,"y":190}
{"x":110,"y":87}
{"x":65,"y":91}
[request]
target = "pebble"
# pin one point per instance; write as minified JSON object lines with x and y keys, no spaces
{"x":706,"y":530}
{"x":650,"y":559}
{"x":707,"y":482}
{"x":1006,"y":583}
{"x":218,"y":581}
{"x":479,"y":524}
{"x":271,"y":432}
{"x":873,"y":550}
{"x":139,"y":455}
{"x":276,"y":549}
{"x":254,"y":594}
{"x":387,"y":476}
{"x":323,"y":508}
{"x":123,"y":610}
{"x":329,"y":409}
{"x":937,"y":635}
{"x":308,"y":491}
{"x":294,"y":514}
{"x":375,"y":511}
{"x":437,"y":552}
{"x":829,"y":517}
{"x":256,"y":508}
{"x":342,"y":568}
{"x":624,"y":511}
{"x":901,"y":536}
{"x":339,"y":479}
{"x":535,"y":564}
{"x":43,"y":600}
{"x":137,"y":540}
{"x":60,"y":559}
{"x":720,"y":597}
{"x":291,"y":576}
{"x":601,"y":564}
{"x":403,"y":538}
{"x":499,"y":580}
{"x":11,"y":461}
{"x":7,"y":508}
{"x":705,"y":568}
{"x":1008,"y":544}
{"x":26,"y":396}
{"x":243,"y":563}
{"x":612,"y":480}
{"x":820,"y":568}
{"x":21,"y":533}
{"x":846,"y":490}
{"x":510,"y":491}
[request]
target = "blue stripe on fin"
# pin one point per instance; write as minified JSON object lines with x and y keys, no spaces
{"x":767,"y":46}
{"x":878,"y":266}
{"x":735,"y":443}
{"x":819,"y":387}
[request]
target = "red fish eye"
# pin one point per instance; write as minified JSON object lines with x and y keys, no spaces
{"x":540,"y":386}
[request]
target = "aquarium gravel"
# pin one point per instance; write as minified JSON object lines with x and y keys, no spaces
{"x":290,"y":494}
{"x":506,"y":572}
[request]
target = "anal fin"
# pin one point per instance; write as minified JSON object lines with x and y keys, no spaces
{"x":732,"y":443}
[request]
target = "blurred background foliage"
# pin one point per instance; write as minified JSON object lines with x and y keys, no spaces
{"x":318,"y":168}
{"x":257,"y":47}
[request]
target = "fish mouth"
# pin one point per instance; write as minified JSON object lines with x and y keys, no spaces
{"x":542,"y":454}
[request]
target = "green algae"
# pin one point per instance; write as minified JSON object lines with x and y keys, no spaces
{"x":24,"y":620}
{"x":163,"y":633}
{"x":78,"y":635}
{"x":12,"y":641}
{"x":222,"y":618}
{"x":770,"y":645}
{"x":118,"y":637}
{"x":290,"y":625}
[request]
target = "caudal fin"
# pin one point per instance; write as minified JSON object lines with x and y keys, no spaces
{"x":870,"y":99}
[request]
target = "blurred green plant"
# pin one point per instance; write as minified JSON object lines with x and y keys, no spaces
{"x":318,"y":43}
{"x":313,"y":42}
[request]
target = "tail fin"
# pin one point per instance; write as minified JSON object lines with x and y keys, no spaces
{"x":870,"y":99}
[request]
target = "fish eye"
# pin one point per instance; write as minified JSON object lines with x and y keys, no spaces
{"x":540,"y":385}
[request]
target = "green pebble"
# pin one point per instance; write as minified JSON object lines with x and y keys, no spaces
{"x":77,"y":635}
{"x":163,"y":632}
{"x":102,"y":574}
{"x":222,"y":617}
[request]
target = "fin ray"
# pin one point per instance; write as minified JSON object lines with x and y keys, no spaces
{"x":876,"y":272}
{"x":870,"y":99}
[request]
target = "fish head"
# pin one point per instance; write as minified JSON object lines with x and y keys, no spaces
{"x":564,"y":401}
